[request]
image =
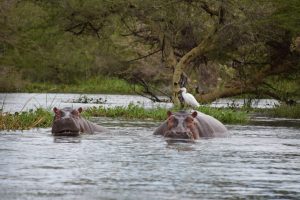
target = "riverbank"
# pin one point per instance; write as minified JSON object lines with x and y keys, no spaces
{"x":283,"y":111}
{"x":42,"y":118}
{"x":100,"y":85}
{"x":20,"y":111}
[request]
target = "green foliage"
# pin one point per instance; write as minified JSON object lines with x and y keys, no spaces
{"x":287,"y":87}
{"x":286,"y":111}
{"x":73,"y":41}
{"x":42,"y":118}
{"x":138,"y":112}
{"x":287,"y":15}
{"x":226,"y":115}
{"x":25,"y":120}
{"x":101,"y":84}
{"x":42,"y":49}
{"x":130,"y":112}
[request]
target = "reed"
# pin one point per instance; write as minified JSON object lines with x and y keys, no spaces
{"x":225,"y":115}
{"x":128,"y":112}
{"x":25,"y":120}
{"x":286,"y":111}
{"x":41,"y":118}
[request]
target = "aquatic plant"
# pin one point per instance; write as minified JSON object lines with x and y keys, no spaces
{"x":225,"y":115}
{"x":25,"y":120}
{"x":86,"y":99}
{"x":129,"y":112}
{"x":43,"y":118}
{"x":286,"y":111}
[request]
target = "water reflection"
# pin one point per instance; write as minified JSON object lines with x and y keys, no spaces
{"x":180,"y":145}
{"x":66,"y":139}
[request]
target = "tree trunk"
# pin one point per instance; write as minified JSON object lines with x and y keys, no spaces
{"x":221,"y":93}
{"x":205,"y":46}
{"x":168,"y":55}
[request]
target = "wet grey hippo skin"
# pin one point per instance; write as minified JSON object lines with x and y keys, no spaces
{"x":191,"y":125}
{"x":68,"y":122}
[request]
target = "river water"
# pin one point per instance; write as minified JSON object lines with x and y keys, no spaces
{"x":258,"y":161}
{"x":16,"y":102}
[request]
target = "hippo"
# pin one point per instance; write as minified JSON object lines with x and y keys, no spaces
{"x":191,"y":125}
{"x":68,"y":122}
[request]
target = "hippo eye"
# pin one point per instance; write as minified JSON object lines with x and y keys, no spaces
{"x":170,"y":119}
{"x":75,"y":112}
{"x":62,"y":114}
{"x":189,"y":119}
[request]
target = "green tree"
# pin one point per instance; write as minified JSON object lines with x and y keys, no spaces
{"x":245,"y":47}
{"x":244,"y":36}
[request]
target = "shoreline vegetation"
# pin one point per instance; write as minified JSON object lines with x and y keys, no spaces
{"x":42,"y":118}
{"x":282,"y":111}
{"x":99,"y":84}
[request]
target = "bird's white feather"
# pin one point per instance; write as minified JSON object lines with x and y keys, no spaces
{"x":189,"y":99}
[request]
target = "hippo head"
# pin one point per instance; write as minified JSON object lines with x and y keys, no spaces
{"x":66,"y":122}
{"x":182,"y":125}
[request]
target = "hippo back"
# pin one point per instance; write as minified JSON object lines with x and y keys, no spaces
{"x":89,"y":127}
{"x":209,"y":126}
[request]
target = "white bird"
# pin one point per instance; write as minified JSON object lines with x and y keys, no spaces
{"x":188,"y":98}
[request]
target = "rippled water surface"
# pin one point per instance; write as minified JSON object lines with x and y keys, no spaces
{"x":255,"y":162}
{"x":258,"y":161}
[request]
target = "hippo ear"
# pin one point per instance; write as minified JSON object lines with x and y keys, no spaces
{"x":194,"y":114}
{"x":80,"y":110}
{"x":169,"y":113}
{"x":55,"y":109}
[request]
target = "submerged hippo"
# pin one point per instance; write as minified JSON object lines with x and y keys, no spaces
{"x":68,"y":122}
{"x":187,"y":125}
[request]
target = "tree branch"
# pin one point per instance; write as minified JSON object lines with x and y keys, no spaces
{"x":71,"y":29}
{"x":142,"y":57}
{"x":96,"y":30}
{"x":253,"y":84}
{"x":207,"y":9}
{"x":147,"y":93}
